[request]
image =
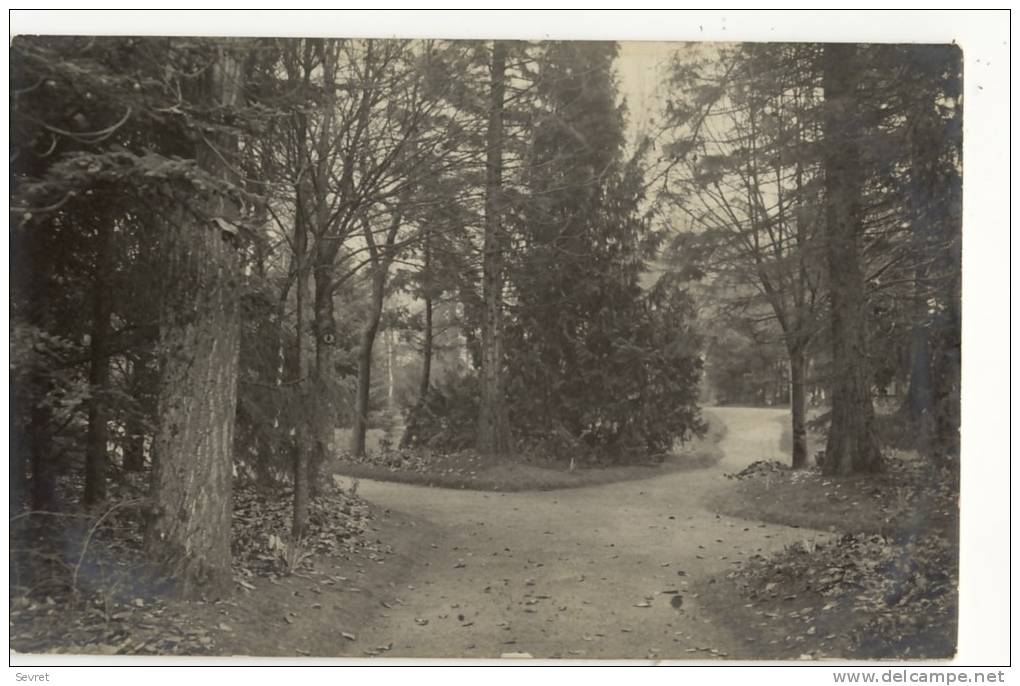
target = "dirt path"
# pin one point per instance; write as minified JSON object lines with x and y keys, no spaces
{"x":582,"y":573}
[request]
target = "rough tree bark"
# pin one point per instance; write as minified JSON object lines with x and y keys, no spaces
{"x":852,"y":445}
{"x":493,"y":423}
{"x":99,"y":368}
{"x":323,"y":408}
{"x":188,"y":536}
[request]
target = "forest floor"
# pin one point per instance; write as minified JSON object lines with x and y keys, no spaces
{"x":316,"y":610}
{"x":685,"y":565}
{"x":467,"y":469}
{"x":884,"y":587}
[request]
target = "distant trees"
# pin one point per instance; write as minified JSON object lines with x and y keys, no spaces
{"x":744,"y":169}
{"x":800,"y":172}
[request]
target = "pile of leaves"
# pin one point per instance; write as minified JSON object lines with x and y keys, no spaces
{"x":913,"y":611}
{"x":466,"y":463}
{"x":894,"y":575}
{"x":759,"y":468}
{"x":260,"y":532}
{"x":901,"y":596}
{"x":404,"y":460}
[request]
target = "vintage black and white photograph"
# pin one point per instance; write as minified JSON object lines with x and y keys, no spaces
{"x":384,"y":347}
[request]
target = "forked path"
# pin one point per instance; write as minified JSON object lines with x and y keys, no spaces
{"x":580,"y":573}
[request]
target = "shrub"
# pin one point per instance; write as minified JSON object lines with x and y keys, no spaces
{"x":448,"y":420}
{"x":619,"y":389}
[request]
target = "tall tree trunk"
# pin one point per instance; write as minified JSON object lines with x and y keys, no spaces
{"x":295,"y":382}
{"x":43,"y":489}
{"x":798,"y":406}
{"x":493,"y":423}
{"x":391,"y":363}
{"x":924,"y":182}
{"x":852,"y":445}
{"x":473,"y":346}
{"x":99,"y":368}
{"x":426,"y":354}
{"x":295,"y":376}
{"x":199,"y":345}
{"x":134,"y":449}
{"x":946,"y":387}
{"x":36,"y":448}
{"x":426,"y":346}
{"x":381,"y":261}
{"x":134,"y":422}
{"x":919,"y":398}
{"x":328,"y":235}
{"x":414,"y":418}
{"x":18,"y":462}
{"x":323,"y":401}
{"x":368,"y":334}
